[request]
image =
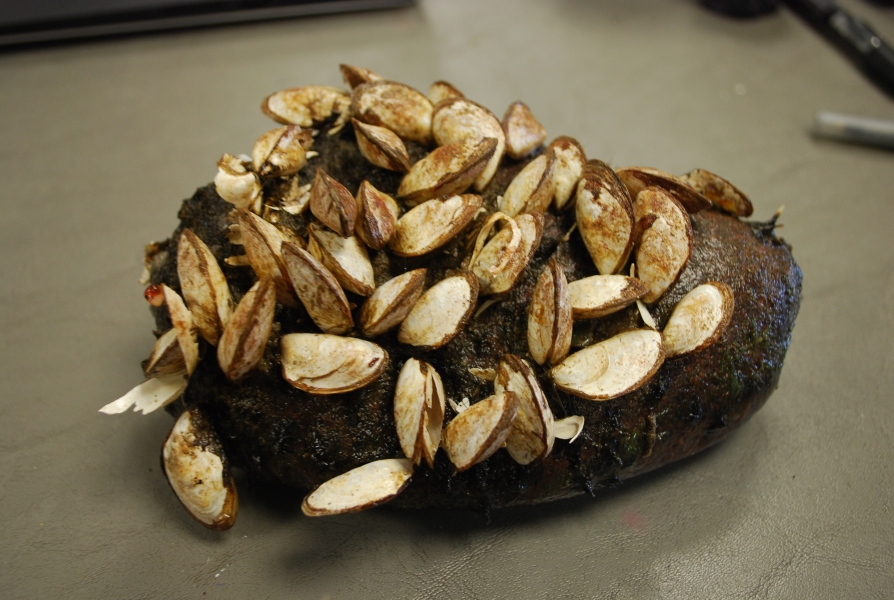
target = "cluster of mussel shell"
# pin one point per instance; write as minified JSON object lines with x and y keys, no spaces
{"x":633,"y":213}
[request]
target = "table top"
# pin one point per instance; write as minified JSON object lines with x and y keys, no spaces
{"x":102,"y":140}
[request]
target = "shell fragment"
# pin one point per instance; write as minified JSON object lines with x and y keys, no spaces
{"x":149,"y":395}
{"x":361,"y":488}
{"x":166,"y":357}
{"x":319,"y":363}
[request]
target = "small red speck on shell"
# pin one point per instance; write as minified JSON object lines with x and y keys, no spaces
{"x":154,"y":295}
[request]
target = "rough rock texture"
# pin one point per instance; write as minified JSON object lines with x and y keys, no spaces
{"x":276,"y":431}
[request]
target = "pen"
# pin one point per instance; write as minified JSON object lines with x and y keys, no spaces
{"x":860,"y":130}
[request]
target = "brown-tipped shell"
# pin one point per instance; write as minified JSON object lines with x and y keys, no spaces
{"x":346,"y":257}
{"x":381,"y":146}
{"x":197,"y":469}
{"x":439,"y":315}
{"x":523,"y":131}
{"x":318,"y":290}
{"x":419,"y":404}
{"x":391,"y":303}
{"x":377,"y":214}
{"x":400,"y":108}
{"x":531,"y":190}
{"x":364,"y":487}
{"x":570,"y":160}
{"x":612,"y":368}
{"x":307,"y":105}
{"x":664,"y":248}
{"x":235,"y":183}
{"x":720,"y":191}
{"x":449,"y":169}
{"x":263,"y":247}
{"x":245,"y":338}
{"x":355,"y":76}
{"x":182,"y":321}
{"x":699,"y":318}
{"x":500,"y":261}
{"x":166,"y":357}
{"x":204,"y":286}
{"x":638,"y":178}
{"x":549,"y":317}
{"x":433,"y":223}
{"x":280,"y":151}
{"x":604,"y":216}
{"x":480,"y":430}
{"x":601,"y":295}
{"x":319,"y":363}
{"x":333,"y":204}
{"x":460,"y":118}
{"x":531,"y":436}
{"x":443,"y":90}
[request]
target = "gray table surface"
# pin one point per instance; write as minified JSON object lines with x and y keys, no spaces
{"x":101,"y":141}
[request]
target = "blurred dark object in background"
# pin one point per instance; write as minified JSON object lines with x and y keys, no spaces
{"x":28,"y":22}
{"x":741,"y":8}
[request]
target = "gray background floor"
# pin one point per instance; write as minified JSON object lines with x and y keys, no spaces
{"x":101,"y":141}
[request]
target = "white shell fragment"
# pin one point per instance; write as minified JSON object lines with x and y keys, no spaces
{"x":531,"y":190}
{"x":263,"y":247}
{"x":449,"y":169}
{"x":307,"y":105}
{"x":333,"y":204}
{"x":570,"y":160}
{"x":377,"y":214}
{"x":439,"y":315}
{"x":197,"y":470}
{"x":319,"y":363}
{"x":699,"y":318}
{"x":638,"y":178}
{"x":531,"y":436}
{"x":355,"y":76}
{"x":346,"y":257}
{"x":600,"y":295}
{"x":499,"y":261}
{"x":433,"y":223}
{"x":477,"y":432}
{"x":182,"y":320}
{"x":381,"y":146}
{"x":720,"y":191}
{"x":419,"y":403}
{"x":549,"y":317}
{"x":361,"y":488}
{"x":235,"y":183}
{"x":459,"y":118}
{"x":569,"y":428}
{"x":245,"y":337}
{"x":149,"y":395}
{"x":611,"y":368}
{"x":442,"y":90}
{"x":523,"y":131}
{"x":204,"y":286}
{"x":166,"y":357}
{"x":391,"y":303}
{"x":664,"y":247}
{"x":281,"y":151}
{"x":398,"y":107}
{"x":604,"y":217}
{"x":318,"y":290}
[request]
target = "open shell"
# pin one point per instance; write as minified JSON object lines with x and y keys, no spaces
{"x":480,"y":430}
{"x":381,"y":146}
{"x":281,"y":151}
{"x":499,"y":261}
{"x":319,"y":363}
{"x":664,"y":248}
{"x":549,"y":318}
{"x":531,"y":190}
{"x":204,"y":286}
{"x":318,"y":290}
{"x":389,"y":305}
{"x":198,"y":471}
{"x":182,"y":320}
{"x":419,"y":404}
{"x":166,"y":357}
{"x":601,"y":295}
{"x":398,"y":107}
{"x":346,"y":257}
{"x":235,"y":183}
{"x":459,"y":118}
{"x":149,"y":395}
{"x":307,"y":105}
{"x":263,"y":247}
{"x":604,"y":217}
{"x":361,"y":488}
{"x":612,"y":368}
{"x":720,"y":191}
{"x":569,"y":162}
{"x":439,"y":315}
{"x":638,"y":178}
{"x":523,"y":131}
{"x":245,"y":337}
{"x":531,"y":436}
{"x":699,"y":318}
{"x":355,"y":76}
{"x":449,"y":169}
{"x":433,"y":223}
